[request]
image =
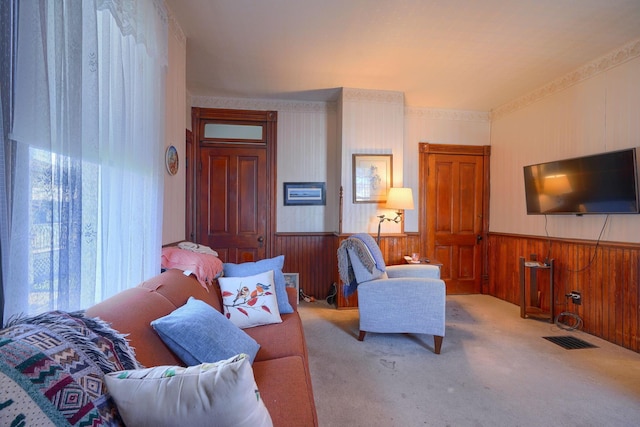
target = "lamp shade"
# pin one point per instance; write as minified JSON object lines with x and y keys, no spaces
{"x":400,"y":198}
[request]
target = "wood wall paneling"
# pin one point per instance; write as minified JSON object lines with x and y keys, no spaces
{"x":312,"y":256}
{"x":606,"y":275}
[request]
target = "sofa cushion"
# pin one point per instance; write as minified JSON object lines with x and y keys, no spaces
{"x":286,"y":380}
{"x":131,"y":312}
{"x":222,"y":393}
{"x":177,"y":287}
{"x":197,"y":333}
{"x":251,"y":268}
{"x":250,"y":301}
{"x":279,"y":339}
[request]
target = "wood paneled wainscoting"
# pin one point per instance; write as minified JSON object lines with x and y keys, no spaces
{"x":314,"y":257}
{"x":607,"y":275}
{"x":311,"y":255}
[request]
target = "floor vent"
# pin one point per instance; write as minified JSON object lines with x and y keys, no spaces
{"x":570,"y":343}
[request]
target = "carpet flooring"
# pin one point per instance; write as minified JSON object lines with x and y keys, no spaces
{"x":495,"y":369}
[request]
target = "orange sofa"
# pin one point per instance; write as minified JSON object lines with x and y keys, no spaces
{"x":280,"y":368}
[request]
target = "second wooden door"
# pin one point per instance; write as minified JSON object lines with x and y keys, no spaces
{"x":455,"y":213}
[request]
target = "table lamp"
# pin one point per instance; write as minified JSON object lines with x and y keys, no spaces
{"x":399,"y":199}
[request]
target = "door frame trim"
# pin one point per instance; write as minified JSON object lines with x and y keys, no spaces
{"x":426,"y":148}
{"x":269,"y":119}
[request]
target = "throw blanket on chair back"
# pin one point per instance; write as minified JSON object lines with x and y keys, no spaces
{"x":359,"y":260}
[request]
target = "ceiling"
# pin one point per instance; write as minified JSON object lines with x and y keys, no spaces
{"x":451,"y":54}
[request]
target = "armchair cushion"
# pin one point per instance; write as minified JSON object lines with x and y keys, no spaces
{"x":424,"y":271}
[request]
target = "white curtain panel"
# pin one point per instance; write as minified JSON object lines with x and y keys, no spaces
{"x":88,"y":121}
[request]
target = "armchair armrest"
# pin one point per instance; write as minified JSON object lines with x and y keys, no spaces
{"x":395,"y":290}
{"x":413,"y":270}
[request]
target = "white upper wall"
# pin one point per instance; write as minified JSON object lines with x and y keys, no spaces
{"x":173,"y":223}
{"x":452,"y":127}
{"x":307,"y":144}
{"x":372,"y":123}
{"x":598,"y":113}
{"x":596,"y":109}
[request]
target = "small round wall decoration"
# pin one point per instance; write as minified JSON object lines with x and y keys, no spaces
{"x":171,"y":160}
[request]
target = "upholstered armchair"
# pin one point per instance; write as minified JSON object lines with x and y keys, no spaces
{"x":408,"y":298}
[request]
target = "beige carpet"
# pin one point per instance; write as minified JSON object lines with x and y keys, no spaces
{"x":495,"y":370}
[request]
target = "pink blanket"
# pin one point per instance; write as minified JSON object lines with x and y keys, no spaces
{"x":205,"y":267}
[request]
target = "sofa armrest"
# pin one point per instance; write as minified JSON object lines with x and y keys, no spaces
{"x":293,"y":298}
{"x":413,"y":270}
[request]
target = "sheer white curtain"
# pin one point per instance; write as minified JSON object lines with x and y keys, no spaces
{"x":131,"y":136}
{"x":88,"y":121}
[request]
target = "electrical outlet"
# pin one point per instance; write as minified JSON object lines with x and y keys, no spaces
{"x":576,"y":297}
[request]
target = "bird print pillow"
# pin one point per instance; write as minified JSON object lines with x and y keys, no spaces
{"x":250,"y":301}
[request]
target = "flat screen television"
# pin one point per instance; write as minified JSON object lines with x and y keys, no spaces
{"x":604,"y":183}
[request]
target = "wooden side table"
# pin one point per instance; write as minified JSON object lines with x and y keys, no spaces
{"x":532,"y":306}
{"x":423,"y":261}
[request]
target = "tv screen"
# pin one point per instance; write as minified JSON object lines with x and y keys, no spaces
{"x":598,"y":184}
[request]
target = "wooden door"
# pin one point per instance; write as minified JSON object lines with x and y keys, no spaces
{"x":455,"y":215}
{"x":234,"y":191}
{"x":232,"y":202}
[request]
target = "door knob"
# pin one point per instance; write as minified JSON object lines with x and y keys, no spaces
{"x":478,"y":238}
{"x":260,"y":239}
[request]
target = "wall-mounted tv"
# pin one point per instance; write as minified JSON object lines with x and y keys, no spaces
{"x":604,"y":183}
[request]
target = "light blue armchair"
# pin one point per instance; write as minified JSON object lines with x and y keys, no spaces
{"x":408,"y":298}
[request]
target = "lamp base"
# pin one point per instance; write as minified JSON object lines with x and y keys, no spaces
{"x":383,"y":218}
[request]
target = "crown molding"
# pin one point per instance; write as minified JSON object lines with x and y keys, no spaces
{"x":324,"y":107}
{"x":263,"y":104}
{"x":612,"y":59}
{"x":368,"y":95}
{"x":440,"y":114}
{"x":174,"y":27}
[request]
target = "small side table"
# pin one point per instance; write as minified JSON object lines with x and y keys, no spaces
{"x":531,"y":307}
{"x":423,"y":261}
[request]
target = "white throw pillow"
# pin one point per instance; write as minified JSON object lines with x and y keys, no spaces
{"x":250,"y":301}
{"x":221,"y":394}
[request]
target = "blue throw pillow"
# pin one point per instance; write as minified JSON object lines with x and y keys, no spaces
{"x":198,"y":333}
{"x":252,"y":268}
